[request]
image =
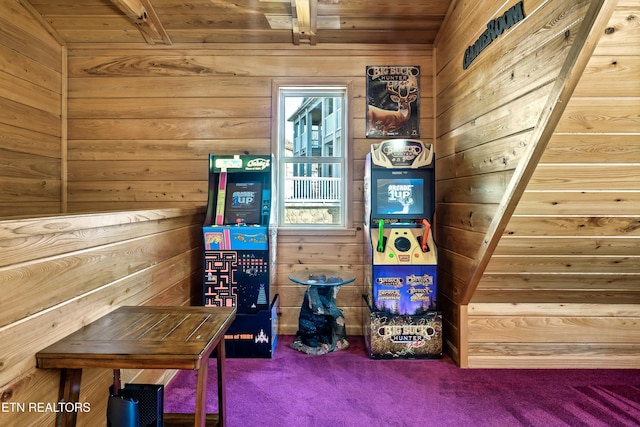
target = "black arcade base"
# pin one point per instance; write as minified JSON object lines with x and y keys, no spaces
{"x":253,"y":335}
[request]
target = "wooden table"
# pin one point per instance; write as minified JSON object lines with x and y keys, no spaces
{"x":142,"y":337}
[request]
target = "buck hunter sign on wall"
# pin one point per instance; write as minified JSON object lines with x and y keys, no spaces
{"x":393,"y":101}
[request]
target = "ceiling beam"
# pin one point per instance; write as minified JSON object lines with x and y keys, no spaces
{"x":142,"y":14}
{"x":304,"y":18}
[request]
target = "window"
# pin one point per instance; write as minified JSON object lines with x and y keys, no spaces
{"x":312,"y":156}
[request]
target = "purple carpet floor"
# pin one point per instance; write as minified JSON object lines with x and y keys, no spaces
{"x":347,"y":389}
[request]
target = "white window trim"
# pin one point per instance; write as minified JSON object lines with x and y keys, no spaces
{"x":348,"y":227}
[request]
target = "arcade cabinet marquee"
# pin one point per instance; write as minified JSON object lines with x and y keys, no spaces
{"x":239,"y":251}
{"x":402,"y":318}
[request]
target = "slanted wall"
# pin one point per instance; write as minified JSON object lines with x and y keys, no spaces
{"x":494,"y":120}
{"x":567,"y":262}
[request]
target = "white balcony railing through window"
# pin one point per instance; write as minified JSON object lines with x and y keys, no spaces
{"x":312,"y":190}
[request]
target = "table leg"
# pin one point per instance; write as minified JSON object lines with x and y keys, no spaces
{"x":69,"y":392}
{"x":222,"y":400}
{"x":201,"y":388}
{"x":200,"y":417}
{"x":117,"y":382}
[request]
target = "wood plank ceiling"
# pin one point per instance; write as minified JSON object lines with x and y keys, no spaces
{"x":244,"y":21}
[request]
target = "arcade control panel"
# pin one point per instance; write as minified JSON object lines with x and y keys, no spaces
{"x":403,"y":245}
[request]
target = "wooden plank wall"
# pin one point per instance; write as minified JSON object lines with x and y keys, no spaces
{"x":31,"y":96}
{"x":486,"y":119}
{"x":59,"y":273}
{"x":569,"y":255}
{"x":143,"y":120}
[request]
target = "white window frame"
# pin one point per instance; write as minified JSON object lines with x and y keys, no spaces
{"x":321,"y":88}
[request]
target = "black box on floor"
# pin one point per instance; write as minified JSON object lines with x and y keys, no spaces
{"x":122,"y":412}
{"x":150,"y":400}
{"x":394,"y":336}
{"x":253,"y":335}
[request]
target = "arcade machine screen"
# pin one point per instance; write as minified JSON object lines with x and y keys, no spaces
{"x":243,"y":203}
{"x":401,"y":196}
{"x":398,"y":197}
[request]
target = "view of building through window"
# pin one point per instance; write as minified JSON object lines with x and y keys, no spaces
{"x":311,"y":156}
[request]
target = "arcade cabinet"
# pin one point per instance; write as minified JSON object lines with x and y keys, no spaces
{"x":401,"y":310}
{"x":239,"y":251}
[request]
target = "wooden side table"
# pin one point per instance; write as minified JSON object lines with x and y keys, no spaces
{"x":321,"y":324}
{"x":143,"y":337}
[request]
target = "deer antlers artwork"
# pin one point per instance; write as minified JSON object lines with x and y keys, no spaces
{"x":389,"y":122}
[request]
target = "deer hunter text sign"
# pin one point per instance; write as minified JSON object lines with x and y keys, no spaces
{"x":393,"y":101}
{"x":495,"y":27}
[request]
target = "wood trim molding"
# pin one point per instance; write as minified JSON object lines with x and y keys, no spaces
{"x":463,"y":336}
